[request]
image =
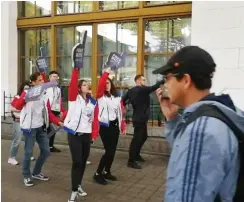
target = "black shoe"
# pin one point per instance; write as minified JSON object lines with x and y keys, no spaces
{"x":54,"y":149}
{"x":133,"y":164}
{"x":99,"y":178}
{"x":140,"y":159}
{"x":109,"y":176}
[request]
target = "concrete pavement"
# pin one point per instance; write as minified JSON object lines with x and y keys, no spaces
{"x":133,"y":185}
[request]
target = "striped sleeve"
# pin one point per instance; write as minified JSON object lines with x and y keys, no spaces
{"x":193,"y":159}
{"x":207,"y":163}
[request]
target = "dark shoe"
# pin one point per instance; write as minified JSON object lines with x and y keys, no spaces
{"x":134,"y":165}
{"x":109,"y":176}
{"x":54,"y":149}
{"x":40,"y":177}
{"x":140,"y":159}
{"x":98,"y":178}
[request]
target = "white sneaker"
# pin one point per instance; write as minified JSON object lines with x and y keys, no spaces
{"x":32,"y":158}
{"x":73,"y":196}
{"x":81,"y":192}
{"x":28,"y":182}
{"x":88,"y":162}
{"x":13,"y":161}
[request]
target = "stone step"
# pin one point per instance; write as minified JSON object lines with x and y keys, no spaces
{"x":154,"y":145}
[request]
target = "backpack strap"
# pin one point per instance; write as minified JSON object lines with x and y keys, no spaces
{"x":213,"y":111}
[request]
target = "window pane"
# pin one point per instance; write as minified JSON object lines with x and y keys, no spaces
{"x":32,"y":40}
{"x":65,"y":69}
{"x":67,"y":37}
{"x":152,"y":63}
{"x":112,"y":5}
{"x":118,"y":37}
{"x":28,"y":66}
{"x":167,"y":35}
{"x":125,"y":75}
{"x":66,"y":7}
{"x":156,"y":35}
{"x":159,"y":2}
{"x":179,"y":33}
{"x":43,"y":8}
{"x":34,"y":8}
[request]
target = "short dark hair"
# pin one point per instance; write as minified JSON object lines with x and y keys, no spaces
{"x":33,"y":77}
{"x":21,"y":88}
{"x":53,"y":72}
{"x":138,"y":76}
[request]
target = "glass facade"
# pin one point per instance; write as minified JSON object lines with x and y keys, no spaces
{"x":143,"y":30}
{"x":32,"y":41}
{"x":34,"y":8}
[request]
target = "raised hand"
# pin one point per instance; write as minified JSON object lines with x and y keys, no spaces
{"x":169,"y":110}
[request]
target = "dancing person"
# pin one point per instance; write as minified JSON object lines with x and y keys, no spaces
{"x":34,"y":120}
{"x":78,"y":124}
{"x":139,"y":97}
{"x":17,"y":133}
{"x":109,"y":114}
{"x":55,"y":98}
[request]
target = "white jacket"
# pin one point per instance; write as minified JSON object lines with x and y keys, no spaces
{"x":103,"y":115}
{"x":80,"y":115}
{"x":54,"y":96}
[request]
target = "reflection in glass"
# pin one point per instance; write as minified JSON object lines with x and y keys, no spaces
{"x":152,"y":63}
{"x":125,"y":75}
{"x":167,"y":35}
{"x":65,"y":68}
{"x":32,"y":40}
{"x":159,"y":2}
{"x":112,"y":5}
{"x":66,"y":7}
{"x":43,"y":8}
{"x":119,"y":37}
{"x":34,"y":8}
{"x":67,"y":37}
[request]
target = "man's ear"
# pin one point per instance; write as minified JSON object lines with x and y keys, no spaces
{"x":187,"y":81}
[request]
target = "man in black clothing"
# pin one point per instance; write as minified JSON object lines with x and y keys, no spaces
{"x":139,"y":98}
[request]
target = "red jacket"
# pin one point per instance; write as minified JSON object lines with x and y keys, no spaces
{"x":97,"y":113}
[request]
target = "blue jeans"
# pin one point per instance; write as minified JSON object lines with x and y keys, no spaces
{"x":17,"y":133}
{"x":41,"y":137}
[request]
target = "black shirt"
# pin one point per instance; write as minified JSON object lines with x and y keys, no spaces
{"x":139,"y":98}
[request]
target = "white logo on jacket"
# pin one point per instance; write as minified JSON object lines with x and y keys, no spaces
{"x":80,"y":115}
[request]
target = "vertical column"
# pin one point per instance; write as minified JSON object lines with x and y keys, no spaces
{"x":53,"y":49}
{"x":9,"y":50}
{"x":94,"y":69}
{"x":140,"y":47}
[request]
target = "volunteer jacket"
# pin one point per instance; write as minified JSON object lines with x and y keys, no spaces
{"x":27,"y":111}
{"x":55,"y":103}
{"x":101,"y":113}
{"x":15,"y":115}
{"x":80,"y":111}
{"x":204,"y":160}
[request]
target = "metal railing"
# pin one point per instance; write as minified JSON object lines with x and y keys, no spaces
{"x":155,"y":119}
{"x":6,"y":103}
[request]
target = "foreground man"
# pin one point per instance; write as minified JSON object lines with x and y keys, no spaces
{"x":204,"y":162}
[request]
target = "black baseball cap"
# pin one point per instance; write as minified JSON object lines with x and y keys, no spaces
{"x":190,"y":59}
